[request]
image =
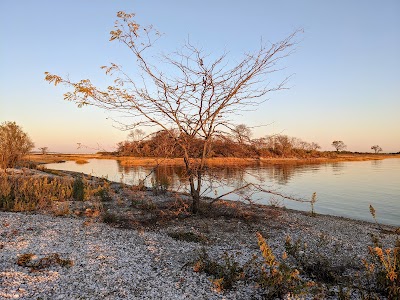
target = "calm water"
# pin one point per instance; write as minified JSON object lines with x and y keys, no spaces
{"x":343,"y":188}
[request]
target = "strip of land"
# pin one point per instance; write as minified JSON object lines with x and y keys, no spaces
{"x":218,"y":161}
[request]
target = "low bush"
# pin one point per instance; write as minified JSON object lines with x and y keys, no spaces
{"x":110,"y":218}
{"x":104,"y":194}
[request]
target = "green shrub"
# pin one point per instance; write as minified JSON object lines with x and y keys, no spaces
{"x":78,"y":189}
{"x":104,"y":194}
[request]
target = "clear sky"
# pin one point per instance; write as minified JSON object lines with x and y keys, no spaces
{"x":346,"y":69}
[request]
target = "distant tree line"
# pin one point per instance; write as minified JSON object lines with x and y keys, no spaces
{"x":237,"y":144}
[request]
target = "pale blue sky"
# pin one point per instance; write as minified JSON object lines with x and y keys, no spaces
{"x":346,"y":83}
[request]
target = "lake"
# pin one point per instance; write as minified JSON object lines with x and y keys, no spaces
{"x":343,"y":188}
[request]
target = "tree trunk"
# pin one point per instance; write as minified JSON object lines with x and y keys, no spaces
{"x":195,"y":203}
{"x":195,"y":195}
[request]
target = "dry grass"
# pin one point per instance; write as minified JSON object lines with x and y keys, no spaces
{"x":52,"y":194}
{"x":27,"y":193}
{"x":217,"y":161}
{"x":56,"y":158}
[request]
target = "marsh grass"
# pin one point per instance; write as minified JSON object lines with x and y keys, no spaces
{"x":27,"y":193}
{"x":22,"y":192}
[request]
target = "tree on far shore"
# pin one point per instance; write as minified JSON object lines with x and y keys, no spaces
{"x":189,"y":95}
{"x":242,"y":133}
{"x":339,"y":145}
{"x":376,"y":148}
{"x":43,"y":150}
{"x":14,"y":144}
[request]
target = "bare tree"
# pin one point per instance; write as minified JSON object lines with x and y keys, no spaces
{"x":43,"y":150}
{"x":376,"y":148}
{"x":195,"y":95}
{"x":14,"y":144}
{"x":284,"y":144}
{"x":242,"y":133}
{"x":339,"y":145}
{"x":136,"y":134}
{"x":314,"y":146}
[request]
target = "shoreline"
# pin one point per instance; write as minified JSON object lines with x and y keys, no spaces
{"x":117,"y":185}
{"x":218,"y":161}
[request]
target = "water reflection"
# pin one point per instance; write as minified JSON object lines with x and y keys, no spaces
{"x":343,"y":188}
{"x":337,"y":168}
{"x":376,"y":162}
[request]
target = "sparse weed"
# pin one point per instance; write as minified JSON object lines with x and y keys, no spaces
{"x":384,"y":267}
{"x":316,"y":265}
{"x":275,"y":278}
{"x":225,"y":274}
{"x":61,"y":209}
{"x":143,"y":204}
{"x":373,"y":214}
{"x":312,"y":202}
{"x":160,"y":185}
{"x":104,"y":193}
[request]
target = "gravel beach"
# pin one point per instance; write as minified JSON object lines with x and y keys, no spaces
{"x":115,"y":263}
